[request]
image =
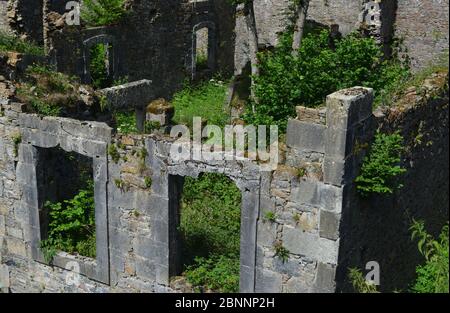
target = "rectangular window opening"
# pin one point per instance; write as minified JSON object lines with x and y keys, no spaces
{"x":66,"y":203}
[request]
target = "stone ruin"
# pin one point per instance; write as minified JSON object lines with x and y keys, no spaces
{"x":319,"y":218}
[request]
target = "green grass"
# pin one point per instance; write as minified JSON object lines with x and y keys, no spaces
{"x":48,"y":92}
{"x":396,"y":90}
{"x":210,"y":228}
{"x":205,"y":100}
{"x":126,"y":122}
{"x":9,"y":42}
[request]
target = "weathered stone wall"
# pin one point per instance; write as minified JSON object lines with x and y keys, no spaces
{"x":422,"y":25}
{"x":4,"y":25}
{"x":137,"y":190}
{"x":26,"y":19}
{"x":155,"y":42}
{"x":319,"y":219}
{"x":377,"y":229}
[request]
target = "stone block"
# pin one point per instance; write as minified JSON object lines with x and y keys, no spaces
{"x":307,"y":192}
{"x":16,"y":247}
{"x":2,"y":226}
{"x":325,"y":281}
{"x":247,"y":279}
{"x":331,"y":197}
{"x":297,"y":285}
{"x":306,"y":136}
{"x":145,"y":269}
{"x":310,"y":245}
{"x":267,"y":234}
{"x":329,"y":225}
{"x":268,"y":281}
{"x":347,"y":107}
{"x":4,"y":277}
{"x":338,"y":142}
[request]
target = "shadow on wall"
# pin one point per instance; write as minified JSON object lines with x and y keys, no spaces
{"x":379,"y":226}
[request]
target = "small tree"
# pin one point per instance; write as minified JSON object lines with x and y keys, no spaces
{"x":102,"y":12}
{"x":247,"y":6}
{"x":381,"y":167}
{"x":301,"y":13}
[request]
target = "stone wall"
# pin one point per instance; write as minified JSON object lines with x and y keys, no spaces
{"x":319,"y":220}
{"x":377,"y":229}
{"x":424,"y":27}
{"x":421,"y":25}
{"x":136,"y":220}
{"x":4,"y":25}
{"x":26,"y":19}
{"x":154,"y":42}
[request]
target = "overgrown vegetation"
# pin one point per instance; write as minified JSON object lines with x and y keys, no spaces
{"x":432,"y":277}
{"x":322,"y":66}
{"x":48,"y":92}
{"x":10,"y":42}
{"x":360,"y":284}
{"x":205,"y":100}
{"x":210,"y":227}
{"x":98,"y":66}
{"x":72,"y":225}
{"x":126,"y":122}
{"x":102,"y":12}
{"x":394,"y":92}
{"x":381,"y":167}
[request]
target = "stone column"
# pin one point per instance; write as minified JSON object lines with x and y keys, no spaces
{"x":348,"y":113}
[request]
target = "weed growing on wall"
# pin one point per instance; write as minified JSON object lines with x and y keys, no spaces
{"x":210,"y":227}
{"x":432,"y":277}
{"x":381,"y":167}
{"x":126,"y":122}
{"x":10,"y":42}
{"x":48,"y":92}
{"x":360,"y":284}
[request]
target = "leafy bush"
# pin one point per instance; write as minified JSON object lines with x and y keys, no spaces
{"x":432,"y":277}
{"x":286,"y":81}
{"x":218,"y":272}
{"x":72,"y":225}
{"x":205,"y":100}
{"x":381,"y":167}
{"x":102,"y":12}
{"x":10,"y":42}
{"x":210,"y":227}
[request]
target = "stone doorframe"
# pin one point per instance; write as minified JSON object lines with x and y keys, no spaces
{"x":250,"y":211}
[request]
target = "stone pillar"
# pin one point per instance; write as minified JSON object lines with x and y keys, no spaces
{"x":160,"y":111}
{"x":347,"y":111}
{"x":331,"y":145}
